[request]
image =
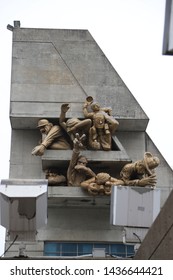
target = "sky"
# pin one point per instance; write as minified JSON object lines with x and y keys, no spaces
{"x":129,"y":32}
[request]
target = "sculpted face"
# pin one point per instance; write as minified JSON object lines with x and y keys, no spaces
{"x":153,"y":162}
{"x":45,"y":129}
{"x":140,"y":168}
{"x":95,"y":106}
{"x":82,"y":161}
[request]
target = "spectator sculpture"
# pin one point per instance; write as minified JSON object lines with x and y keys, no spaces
{"x":73,"y":125}
{"x":103,"y":125}
{"x":78,"y":171}
{"x":101,"y":184}
{"x":55,"y":179}
{"x":52,"y":138}
{"x":142,"y":172}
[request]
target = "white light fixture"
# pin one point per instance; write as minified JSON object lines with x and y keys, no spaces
{"x":23,"y":207}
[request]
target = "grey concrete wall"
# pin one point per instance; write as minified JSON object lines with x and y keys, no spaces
{"x":22,"y":164}
{"x":50,"y":67}
{"x":72,"y":224}
{"x":84,"y":224}
{"x":34,"y":249}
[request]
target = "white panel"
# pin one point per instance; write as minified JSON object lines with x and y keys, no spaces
{"x":23,"y":190}
{"x":23,"y":208}
{"x":134,"y":206}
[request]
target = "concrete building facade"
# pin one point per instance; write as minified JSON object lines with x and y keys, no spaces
{"x":55,"y":66}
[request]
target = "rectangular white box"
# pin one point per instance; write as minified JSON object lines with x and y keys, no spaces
{"x":23,"y":207}
{"x":134,"y":206}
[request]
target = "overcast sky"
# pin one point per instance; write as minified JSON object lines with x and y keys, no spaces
{"x":129,"y":32}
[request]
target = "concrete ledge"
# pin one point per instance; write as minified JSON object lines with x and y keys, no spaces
{"x":61,"y":158}
{"x":21,"y":121}
{"x":61,"y":196}
{"x":67,"y":192}
{"x":27,"y":182}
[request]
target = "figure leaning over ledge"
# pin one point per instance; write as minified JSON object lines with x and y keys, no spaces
{"x":78,"y":171}
{"x":52,"y":138}
{"x":142,"y":172}
{"x":101,"y":184}
{"x":103,"y":125}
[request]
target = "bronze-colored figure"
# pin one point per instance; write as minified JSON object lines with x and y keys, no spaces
{"x":78,"y":171}
{"x":73,"y":125}
{"x":103,"y":125}
{"x":101,"y":184}
{"x":52,"y":138}
{"x":55,"y":179}
{"x":141,"y":173}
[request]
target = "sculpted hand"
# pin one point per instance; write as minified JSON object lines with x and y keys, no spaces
{"x":86,"y":104}
{"x":38,"y":150}
{"x":150,"y":180}
{"x":78,"y":141}
{"x":65,"y":107}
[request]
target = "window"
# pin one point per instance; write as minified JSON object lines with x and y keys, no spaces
{"x":79,"y":249}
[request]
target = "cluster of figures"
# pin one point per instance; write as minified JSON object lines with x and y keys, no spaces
{"x":98,"y":126}
{"x":94,"y":132}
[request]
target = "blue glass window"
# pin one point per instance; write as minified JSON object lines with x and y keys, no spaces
{"x":81,"y":248}
{"x":84,"y":248}
{"x":52,"y":248}
{"x":69,"y":249}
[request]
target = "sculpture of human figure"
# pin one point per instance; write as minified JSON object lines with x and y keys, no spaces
{"x":73,"y":125}
{"x":55,"y":179}
{"x":78,"y":171}
{"x":52,"y":138}
{"x":103,"y":125}
{"x":142,"y":172}
{"x":101,"y":184}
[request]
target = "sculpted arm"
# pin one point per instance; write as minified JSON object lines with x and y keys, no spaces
{"x":52,"y":135}
{"x":75,"y":155}
{"x":48,"y":140}
{"x":85,"y":111}
{"x":85,"y":184}
{"x":125,"y":175}
{"x":64,"y":108}
{"x":142,"y":182}
{"x":86,"y":170}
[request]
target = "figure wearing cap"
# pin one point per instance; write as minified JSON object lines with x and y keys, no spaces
{"x":142,"y":172}
{"x":52,"y":138}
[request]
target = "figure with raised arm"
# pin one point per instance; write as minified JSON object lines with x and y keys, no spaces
{"x":78,"y":171}
{"x":73,"y":125}
{"x":103,"y":125}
